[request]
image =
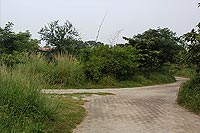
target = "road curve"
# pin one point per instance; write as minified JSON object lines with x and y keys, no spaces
{"x":151,"y":109}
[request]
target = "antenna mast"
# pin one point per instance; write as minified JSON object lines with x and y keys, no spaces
{"x":98,"y":32}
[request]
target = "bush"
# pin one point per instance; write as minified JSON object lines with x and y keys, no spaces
{"x":11,"y":60}
{"x":189,"y":95}
{"x":118,"y":62}
{"x":22,"y":106}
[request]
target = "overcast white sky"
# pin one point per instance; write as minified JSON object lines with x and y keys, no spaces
{"x":131,"y":16}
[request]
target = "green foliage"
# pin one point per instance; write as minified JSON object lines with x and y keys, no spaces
{"x":13,"y":46}
{"x":183,"y":71}
{"x":119,"y":62}
{"x":10,"y":60}
{"x":155,"y":47}
{"x":7,"y":38}
{"x":24,"y":42}
{"x":22,"y":107}
{"x":189,"y":95}
{"x":108,"y":81}
{"x":64,"y":38}
{"x":193,"y":46}
{"x":70,"y":113}
{"x":161,"y":77}
{"x":11,"y":42}
{"x":66,"y":70}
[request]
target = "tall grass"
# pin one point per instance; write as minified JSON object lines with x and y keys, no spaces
{"x":22,"y":107}
{"x":64,"y":71}
{"x":183,"y":71}
{"x":67,"y":72}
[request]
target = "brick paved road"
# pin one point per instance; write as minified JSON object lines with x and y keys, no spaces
{"x":140,"y":110}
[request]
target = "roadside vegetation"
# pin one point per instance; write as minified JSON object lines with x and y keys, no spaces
{"x":189,"y":93}
{"x":24,"y":109}
{"x":149,"y":58}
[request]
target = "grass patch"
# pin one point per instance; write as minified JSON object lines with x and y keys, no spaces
{"x":189,"y":95}
{"x":70,"y":113}
{"x":183,"y":71}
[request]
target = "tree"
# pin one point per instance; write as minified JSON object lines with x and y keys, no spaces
{"x":11,"y":42}
{"x":7,"y":38}
{"x":14,"y":45}
{"x":193,"y":46}
{"x":155,"y":47}
{"x":25,"y":42}
{"x":62,"y":37}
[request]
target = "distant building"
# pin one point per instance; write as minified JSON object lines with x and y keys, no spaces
{"x":45,"y":49}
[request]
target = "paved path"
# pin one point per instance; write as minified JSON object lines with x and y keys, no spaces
{"x":151,"y":109}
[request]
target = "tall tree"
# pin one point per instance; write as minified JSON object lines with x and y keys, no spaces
{"x":155,"y":47}
{"x":11,"y":42}
{"x":193,"y":46}
{"x":62,"y":37}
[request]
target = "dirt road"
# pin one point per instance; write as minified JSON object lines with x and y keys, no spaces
{"x":151,"y":109}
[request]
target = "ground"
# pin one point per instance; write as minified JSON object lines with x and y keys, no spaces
{"x":151,"y":109}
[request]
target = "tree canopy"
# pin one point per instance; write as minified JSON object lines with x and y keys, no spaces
{"x":63,"y":37}
{"x":155,"y":47}
{"x":193,"y":46}
{"x":11,"y":42}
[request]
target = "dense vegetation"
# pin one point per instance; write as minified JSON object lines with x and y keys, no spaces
{"x":146,"y":59}
{"x":189,"y":93}
{"x":24,"y":109}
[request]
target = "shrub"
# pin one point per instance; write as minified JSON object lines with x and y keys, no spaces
{"x":118,"y":62}
{"x":189,"y":95}
{"x":11,"y":60}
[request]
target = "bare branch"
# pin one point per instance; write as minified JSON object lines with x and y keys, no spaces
{"x":114,"y":37}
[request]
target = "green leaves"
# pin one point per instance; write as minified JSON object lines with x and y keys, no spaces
{"x":13,"y":45}
{"x":63,"y":37}
{"x":155,"y":47}
{"x":119,"y":62}
{"x":192,"y":40}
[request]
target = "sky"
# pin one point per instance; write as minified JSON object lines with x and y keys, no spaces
{"x":130,"y":17}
